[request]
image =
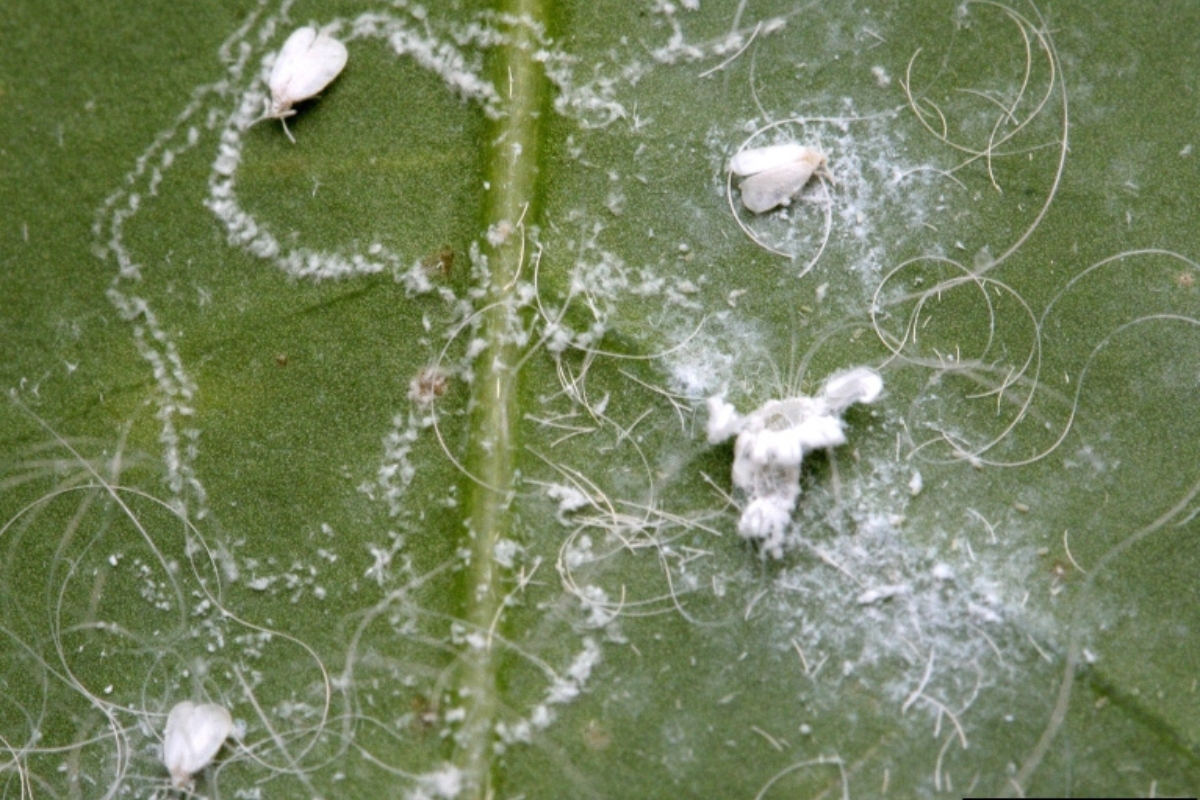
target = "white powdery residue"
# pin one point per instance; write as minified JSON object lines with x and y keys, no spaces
{"x":498,"y":233}
{"x":597,"y":605}
{"x":942,"y":572}
{"x":177,"y":392}
{"x":245,"y":231}
{"x":724,"y":421}
{"x":615,"y":201}
{"x":415,"y":279}
{"x":603,"y":279}
{"x":593,"y":104}
{"x":380,"y":569}
{"x":475,"y":347}
{"x":558,"y":338}
{"x":877,"y":597}
{"x":155,"y":179}
{"x":648,"y":285}
{"x":881,"y":593}
{"x":396,"y":471}
{"x":700,"y":374}
{"x":443,"y":784}
{"x":569,"y":498}
{"x":578,"y":551}
{"x":519,"y":731}
{"x":442,"y":57}
{"x":677,"y":48}
{"x":581,"y":668}
{"x":679,"y":297}
{"x":706,"y":357}
{"x":566,"y":688}
{"x":541,"y":717}
{"x":772,"y":442}
{"x":985,"y":613}
{"x":176,"y":389}
{"x":525,"y":294}
{"x":506,"y":551}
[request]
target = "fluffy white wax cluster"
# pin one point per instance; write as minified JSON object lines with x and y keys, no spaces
{"x":772,"y":442}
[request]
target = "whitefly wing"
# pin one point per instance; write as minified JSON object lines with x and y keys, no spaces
{"x":194,"y":734}
{"x":764,"y":191}
{"x":308,"y":62}
{"x":759,"y":159}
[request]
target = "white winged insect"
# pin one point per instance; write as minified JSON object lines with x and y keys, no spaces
{"x":194,"y":734}
{"x":309,"y":61}
{"x":775,"y":174}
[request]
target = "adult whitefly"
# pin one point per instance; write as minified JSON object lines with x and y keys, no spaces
{"x":309,"y":61}
{"x":194,"y":734}
{"x":774,"y":174}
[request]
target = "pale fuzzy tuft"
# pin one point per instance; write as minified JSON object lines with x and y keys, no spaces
{"x":772,"y":442}
{"x":859,"y":385}
{"x":724,"y":422}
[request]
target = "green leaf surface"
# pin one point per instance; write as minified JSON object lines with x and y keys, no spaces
{"x":395,"y":441}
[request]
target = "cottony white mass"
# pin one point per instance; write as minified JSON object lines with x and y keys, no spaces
{"x":771,"y":444}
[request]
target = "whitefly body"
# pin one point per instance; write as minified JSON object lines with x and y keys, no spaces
{"x":194,"y":734}
{"x":309,"y":61}
{"x":775,"y":174}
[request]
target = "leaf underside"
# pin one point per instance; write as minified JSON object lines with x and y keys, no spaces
{"x":392,"y":441}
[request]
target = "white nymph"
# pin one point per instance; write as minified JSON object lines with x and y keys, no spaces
{"x":772,"y":442}
{"x":775,"y":174}
{"x":194,"y":734}
{"x":309,"y":61}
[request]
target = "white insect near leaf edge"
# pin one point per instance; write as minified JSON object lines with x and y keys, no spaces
{"x":775,"y":174}
{"x":194,"y":734}
{"x":309,"y":61}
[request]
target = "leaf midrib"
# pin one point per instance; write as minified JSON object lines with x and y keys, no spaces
{"x":511,"y":159}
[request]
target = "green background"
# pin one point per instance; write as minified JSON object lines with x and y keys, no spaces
{"x":214,"y":483}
